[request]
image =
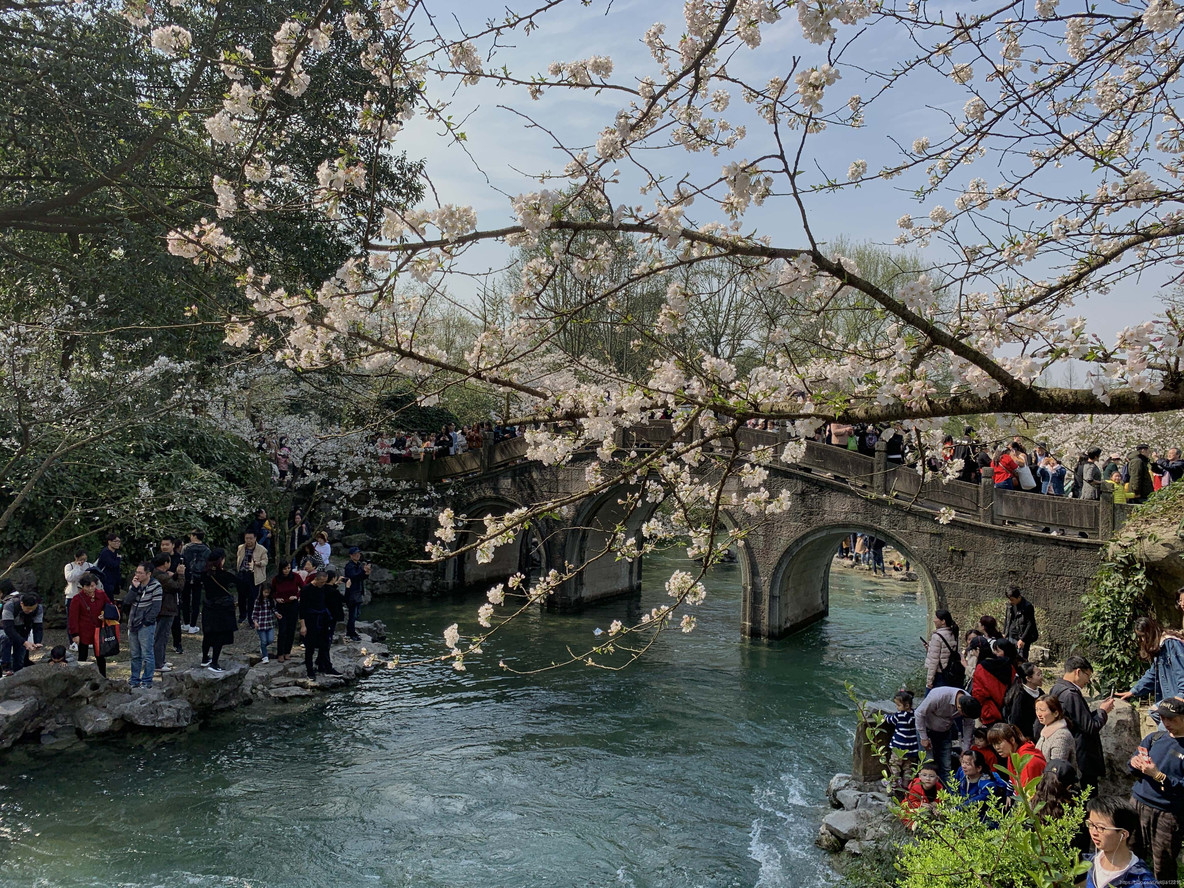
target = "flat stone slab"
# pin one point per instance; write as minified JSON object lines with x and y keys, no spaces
{"x":288,"y":692}
{"x":845,"y":825}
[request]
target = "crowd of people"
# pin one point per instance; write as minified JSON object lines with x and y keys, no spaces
{"x":449,"y":441}
{"x":190,"y":588}
{"x":1016,"y":465}
{"x":988,"y":726}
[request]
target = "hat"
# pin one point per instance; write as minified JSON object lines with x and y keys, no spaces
{"x":1172,"y":707}
{"x":1116,"y":456}
{"x":1064,"y":771}
{"x":354,"y":550}
{"x":1142,"y":447}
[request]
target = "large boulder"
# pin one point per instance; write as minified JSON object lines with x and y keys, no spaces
{"x":17,"y":718}
{"x":152,"y":709}
{"x":207,"y":692}
{"x":93,"y":721}
{"x":1120,"y":738}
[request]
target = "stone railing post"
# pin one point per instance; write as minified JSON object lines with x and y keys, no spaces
{"x":986,"y":501}
{"x":486,"y":456}
{"x":880,"y":468}
{"x":866,"y":764}
{"x":1106,"y":510}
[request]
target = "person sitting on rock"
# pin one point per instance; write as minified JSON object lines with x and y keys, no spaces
{"x":977,"y":783}
{"x":922,"y":794}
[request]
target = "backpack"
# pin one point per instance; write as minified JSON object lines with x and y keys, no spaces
{"x":198,"y":560}
{"x":953,"y":674}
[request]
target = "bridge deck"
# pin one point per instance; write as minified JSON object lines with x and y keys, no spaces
{"x":1093,"y":519}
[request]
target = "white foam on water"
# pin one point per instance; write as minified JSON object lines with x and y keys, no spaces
{"x":780,"y":839}
{"x":623,"y":878}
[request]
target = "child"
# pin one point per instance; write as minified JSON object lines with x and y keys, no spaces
{"x":1112,"y":823}
{"x":923,"y":792}
{"x":1121,"y":491}
{"x":57,"y":656}
{"x":905,"y":748}
{"x":981,"y":744}
{"x":263,"y":620}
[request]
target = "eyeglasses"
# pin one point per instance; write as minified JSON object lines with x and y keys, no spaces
{"x":1097,"y":827}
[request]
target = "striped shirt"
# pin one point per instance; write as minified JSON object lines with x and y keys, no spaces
{"x":904,"y":730}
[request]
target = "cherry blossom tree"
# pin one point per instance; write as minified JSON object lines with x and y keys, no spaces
{"x":1046,"y":171}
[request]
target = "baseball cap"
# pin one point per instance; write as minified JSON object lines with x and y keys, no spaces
{"x":354,"y":550}
{"x":1172,"y":707}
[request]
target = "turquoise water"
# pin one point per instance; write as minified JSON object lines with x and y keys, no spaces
{"x":703,"y":765}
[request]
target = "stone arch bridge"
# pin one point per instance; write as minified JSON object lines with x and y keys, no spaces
{"x":1049,"y":546}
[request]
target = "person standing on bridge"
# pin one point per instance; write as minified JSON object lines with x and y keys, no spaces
{"x":1139,"y":465}
{"x":964,"y":449}
{"x":1005,"y":468}
{"x":838,"y":433}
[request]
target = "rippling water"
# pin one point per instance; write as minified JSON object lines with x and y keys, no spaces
{"x":702,"y":765}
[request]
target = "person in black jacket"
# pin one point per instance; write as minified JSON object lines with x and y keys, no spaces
{"x":1171,"y":465}
{"x":315,"y":624}
{"x":1139,"y":466}
{"x":1085,"y":723}
{"x":218,"y":620}
{"x":1020,"y":623}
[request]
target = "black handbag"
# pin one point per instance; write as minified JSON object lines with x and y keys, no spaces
{"x":107,"y":641}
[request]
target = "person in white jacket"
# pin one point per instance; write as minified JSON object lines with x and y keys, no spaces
{"x":74,"y":571}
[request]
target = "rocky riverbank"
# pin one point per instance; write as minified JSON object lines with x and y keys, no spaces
{"x":864,"y":815}
{"x":49,"y":704}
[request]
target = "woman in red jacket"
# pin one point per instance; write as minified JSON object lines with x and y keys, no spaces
{"x":1023,"y":759}
{"x":992,"y":677}
{"x":285,"y":589}
{"x":86,"y":616}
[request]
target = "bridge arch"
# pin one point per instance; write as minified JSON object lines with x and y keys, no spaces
{"x":466,"y":572}
{"x":798,"y":588}
{"x":590,"y":533}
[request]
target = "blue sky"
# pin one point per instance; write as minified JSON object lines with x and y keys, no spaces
{"x":509,"y":152}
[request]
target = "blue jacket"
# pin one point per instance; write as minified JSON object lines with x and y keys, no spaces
{"x":1138,"y":876}
{"x":1054,"y":479}
{"x":1165,"y":676}
{"x":989,"y":784}
{"x":107,"y":566}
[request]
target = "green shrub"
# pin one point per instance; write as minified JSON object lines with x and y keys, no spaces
{"x":1120,"y":595}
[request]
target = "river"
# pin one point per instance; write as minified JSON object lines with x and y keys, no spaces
{"x":704,"y":764}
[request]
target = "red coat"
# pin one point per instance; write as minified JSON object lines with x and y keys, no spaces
{"x":916,"y":798}
{"x":86,"y":616}
{"x":1033,"y":763}
{"x":989,"y":691}
{"x":285,"y":589}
